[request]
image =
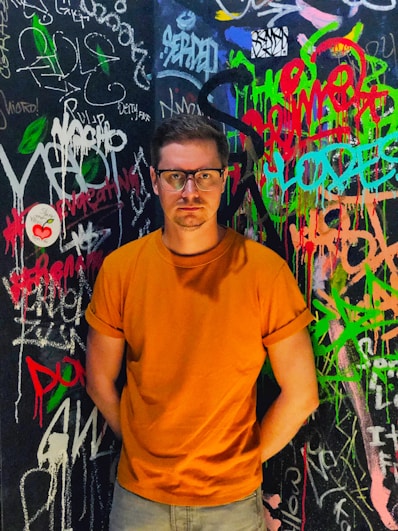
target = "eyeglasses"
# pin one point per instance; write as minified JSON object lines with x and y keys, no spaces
{"x":175,"y":180}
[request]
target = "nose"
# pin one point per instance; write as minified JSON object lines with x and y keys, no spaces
{"x":190,"y":186}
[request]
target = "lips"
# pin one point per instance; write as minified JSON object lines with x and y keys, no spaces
{"x":190,"y":209}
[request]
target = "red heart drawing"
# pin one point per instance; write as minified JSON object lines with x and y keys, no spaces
{"x":41,"y":232}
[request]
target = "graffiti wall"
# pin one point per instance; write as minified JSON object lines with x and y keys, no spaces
{"x":307,"y":92}
{"x":76,"y":111}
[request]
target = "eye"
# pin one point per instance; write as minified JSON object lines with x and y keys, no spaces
{"x":175,"y":176}
{"x":203,"y":175}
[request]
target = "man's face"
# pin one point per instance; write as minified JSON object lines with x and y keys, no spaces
{"x":189,"y":208}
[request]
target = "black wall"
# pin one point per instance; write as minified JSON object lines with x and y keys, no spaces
{"x":307,"y":93}
{"x":76,"y":105}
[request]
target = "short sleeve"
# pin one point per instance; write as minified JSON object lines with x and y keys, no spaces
{"x":104,"y":310}
{"x":286,"y":311}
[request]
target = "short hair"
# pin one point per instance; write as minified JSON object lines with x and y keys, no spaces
{"x":185,"y":127}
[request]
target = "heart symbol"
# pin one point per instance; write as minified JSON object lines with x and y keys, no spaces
{"x":41,"y":232}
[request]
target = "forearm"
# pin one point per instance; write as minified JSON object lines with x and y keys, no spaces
{"x":107,"y":399}
{"x":103,"y":364}
{"x":292,"y":362}
{"x":281,"y":422}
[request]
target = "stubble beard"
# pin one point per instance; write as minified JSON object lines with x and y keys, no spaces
{"x":190,"y":221}
{"x":189,"y":224}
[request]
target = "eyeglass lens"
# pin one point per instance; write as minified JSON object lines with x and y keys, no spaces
{"x":205,"y":179}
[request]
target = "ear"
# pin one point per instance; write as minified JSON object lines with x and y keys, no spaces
{"x":154,"y":180}
{"x":224,"y":179}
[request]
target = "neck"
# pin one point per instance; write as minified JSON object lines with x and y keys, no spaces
{"x":190,"y":242}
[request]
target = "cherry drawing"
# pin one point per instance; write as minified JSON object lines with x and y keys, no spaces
{"x":43,"y":231}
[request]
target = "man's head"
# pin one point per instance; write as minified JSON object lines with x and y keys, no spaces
{"x":189,"y":171}
{"x":183,"y":128}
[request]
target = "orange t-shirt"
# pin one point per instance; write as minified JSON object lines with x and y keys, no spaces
{"x":196,"y":328}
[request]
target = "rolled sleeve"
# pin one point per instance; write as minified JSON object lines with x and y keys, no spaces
{"x":104,"y":310}
{"x":286,"y":311}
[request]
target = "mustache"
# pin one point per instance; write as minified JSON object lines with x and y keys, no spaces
{"x":191,"y":202}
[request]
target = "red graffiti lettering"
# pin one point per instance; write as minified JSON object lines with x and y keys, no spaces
{"x":24,"y":283}
{"x":14,"y":229}
{"x":55,"y":377}
{"x":311,"y":110}
{"x":95,"y":198}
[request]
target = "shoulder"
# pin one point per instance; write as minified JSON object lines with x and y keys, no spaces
{"x":258,"y":253}
{"x":126,"y":255}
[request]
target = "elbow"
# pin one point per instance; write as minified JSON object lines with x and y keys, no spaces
{"x":305,"y":403}
{"x":311,"y":404}
{"x":91,"y":389}
{"x":94,"y":384}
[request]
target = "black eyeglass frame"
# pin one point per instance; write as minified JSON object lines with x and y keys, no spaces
{"x":187,"y":173}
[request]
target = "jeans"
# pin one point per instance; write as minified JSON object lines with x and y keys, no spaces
{"x":133,"y":513}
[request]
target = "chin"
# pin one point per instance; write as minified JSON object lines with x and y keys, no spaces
{"x":190,"y":226}
{"x":189,"y":222}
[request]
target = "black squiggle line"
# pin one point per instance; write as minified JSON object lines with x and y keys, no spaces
{"x":242,"y":77}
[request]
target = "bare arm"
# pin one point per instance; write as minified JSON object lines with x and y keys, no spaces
{"x":292,"y":362}
{"x":103,"y":363}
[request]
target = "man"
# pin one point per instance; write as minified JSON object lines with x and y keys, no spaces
{"x":197,"y":307}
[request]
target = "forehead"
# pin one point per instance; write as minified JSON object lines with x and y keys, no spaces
{"x":190,"y":155}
